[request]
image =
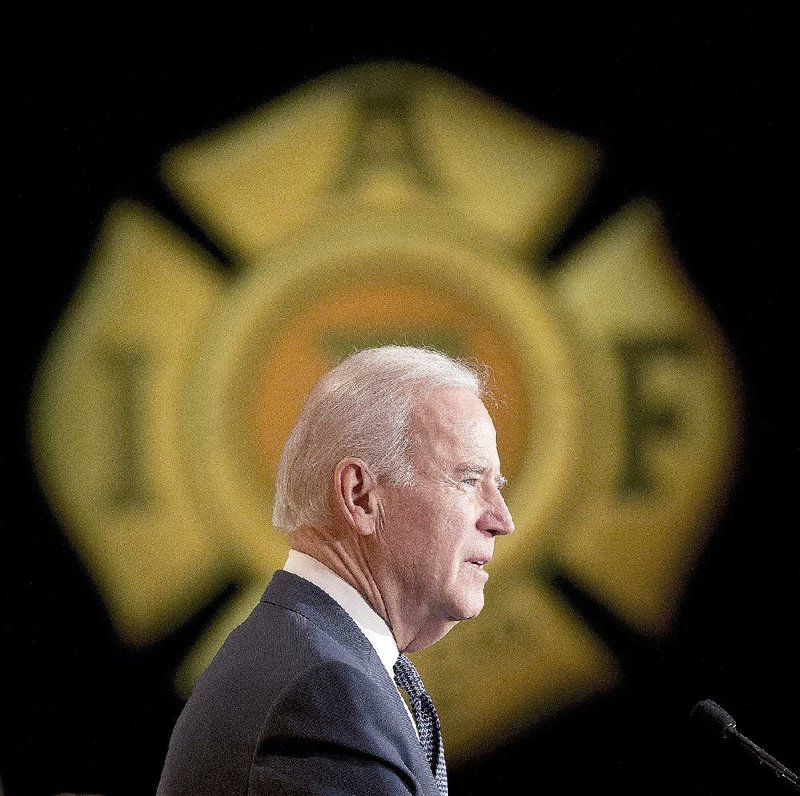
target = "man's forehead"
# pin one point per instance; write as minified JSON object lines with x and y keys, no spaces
{"x":451,"y":407}
{"x":456,"y":418}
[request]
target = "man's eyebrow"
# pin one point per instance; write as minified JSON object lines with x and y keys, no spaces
{"x":469,"y":467}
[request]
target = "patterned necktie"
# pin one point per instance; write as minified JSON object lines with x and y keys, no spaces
{"x":430,"y":734}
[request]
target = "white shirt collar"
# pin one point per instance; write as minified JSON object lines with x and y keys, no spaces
{"x":359,"y":610}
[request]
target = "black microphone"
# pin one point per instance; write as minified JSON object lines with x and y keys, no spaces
{"x":711,"y":717}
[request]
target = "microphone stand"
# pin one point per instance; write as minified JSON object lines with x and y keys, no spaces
{"x":713,"y":717}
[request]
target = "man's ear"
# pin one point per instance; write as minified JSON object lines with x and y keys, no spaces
{"x":355,"y":495}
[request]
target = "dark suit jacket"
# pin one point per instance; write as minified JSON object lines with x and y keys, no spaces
{"x":296,"y":702}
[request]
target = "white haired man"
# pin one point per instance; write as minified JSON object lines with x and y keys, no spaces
{"x":389,"y":488}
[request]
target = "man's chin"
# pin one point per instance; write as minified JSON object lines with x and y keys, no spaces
{"x":471,"y":608}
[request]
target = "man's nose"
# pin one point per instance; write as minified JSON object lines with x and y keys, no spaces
{"x":496,"y":519}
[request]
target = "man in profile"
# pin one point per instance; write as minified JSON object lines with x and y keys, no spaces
{"x":389,"y":490}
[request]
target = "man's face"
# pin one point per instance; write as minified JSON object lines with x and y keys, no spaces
{"x":438,"y":534}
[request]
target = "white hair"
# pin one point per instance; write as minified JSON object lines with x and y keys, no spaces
{"x":360,"y":408}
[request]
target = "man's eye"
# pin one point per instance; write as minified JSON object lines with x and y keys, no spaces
{"x":470,"y":481}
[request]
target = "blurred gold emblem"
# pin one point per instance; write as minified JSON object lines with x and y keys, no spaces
{"x":392,"y":203}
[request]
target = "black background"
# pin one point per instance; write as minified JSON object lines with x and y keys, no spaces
{"x":691,"y":112}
